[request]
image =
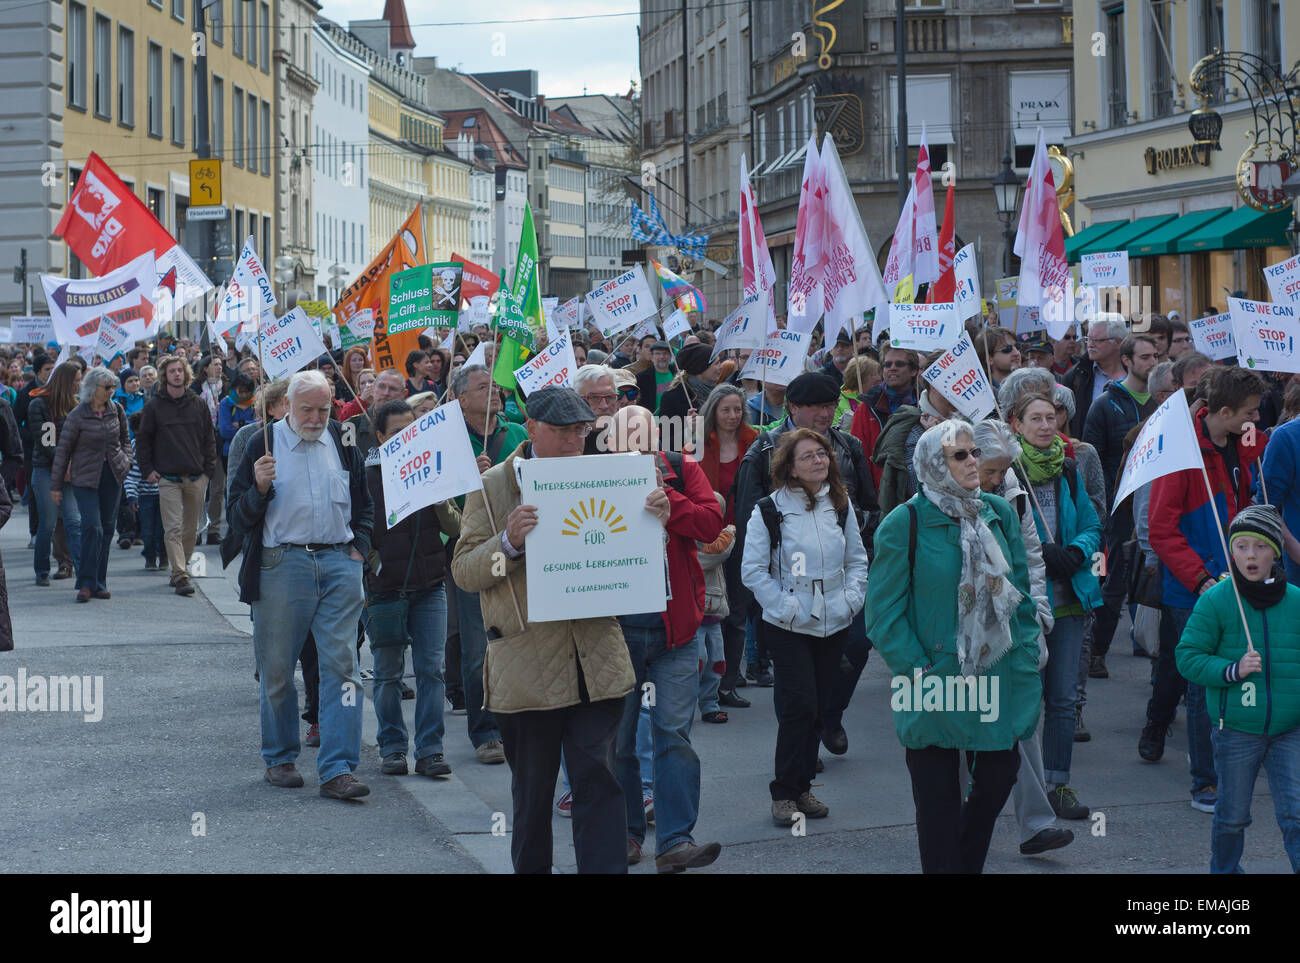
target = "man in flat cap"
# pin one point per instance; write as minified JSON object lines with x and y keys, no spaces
{"x":550,"y":685}
{"x":810,"y":402}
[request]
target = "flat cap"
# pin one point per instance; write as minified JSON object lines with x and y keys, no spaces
{"x":812,"y":388}
{"x":1034,"y":341}
{"x":660,"y":346}
{"x":694,"y":358}
{"x":559,"y":406}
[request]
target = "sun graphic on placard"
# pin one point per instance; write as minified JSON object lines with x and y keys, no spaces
{"x":587,"y":518}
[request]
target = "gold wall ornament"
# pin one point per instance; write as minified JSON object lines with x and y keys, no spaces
{"x":1259,"y":181}
{"x":1063,"y":176}
{"x":840,"y":115}
{"x":827,"y":42}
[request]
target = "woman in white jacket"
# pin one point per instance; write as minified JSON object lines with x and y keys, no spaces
{"x":810,"y":586}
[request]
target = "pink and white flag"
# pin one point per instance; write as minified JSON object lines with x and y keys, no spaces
{"x":851,"y":282}
{"x":806,"y":299}
{"x":757,"y":273}
{"x":1040,"y":242}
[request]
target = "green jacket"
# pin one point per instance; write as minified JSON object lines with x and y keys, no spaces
{"x":890,"y":456}
{"x":918,"y":629}
{"x":1213,"y":640}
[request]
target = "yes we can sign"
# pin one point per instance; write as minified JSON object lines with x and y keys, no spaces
{"x":1213,"y":336}
{"x":958,"y":377}
{"x":1107,"y":270}
{"x":923,"y":327}
{"x":1265,"y":334}
{"x":287,"y":344}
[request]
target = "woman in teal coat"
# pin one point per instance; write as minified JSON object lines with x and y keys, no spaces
{"x":962,"y":642}
{"x":1254,"y":692}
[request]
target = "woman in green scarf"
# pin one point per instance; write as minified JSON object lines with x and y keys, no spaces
{"x":1070,"y":533}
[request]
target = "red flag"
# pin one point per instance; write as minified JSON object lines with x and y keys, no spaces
{"x":945,"y":289}
{"x":476,"y":280}
{"x":105,"y":224}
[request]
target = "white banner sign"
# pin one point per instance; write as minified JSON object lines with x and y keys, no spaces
{"x":125,"y":295}
{"x":596,"y":549}
{"x":554,"y":365}
{"x":677,"y":325}
{"x":429,"y":461}
{"x":957,"y":376}
{"x":32,"y":329}
{"x":1284,"y":281}
{"x":1212,"y":336}
{"x":966,"y":295}
{"x":779,"y":361}
{"x":477,"y":313}
{"x":569,"y":314}
{"x":113,"y":337}
{"x":1107,"y":270}
{"x":248,"y":294}
{"x":923,"y":327}
{"x":1166,"y":444}
{"x":287,"y":344}
{"x":621,"y":302}
{"x":743,"y":327}
{"x":1265,"y":334}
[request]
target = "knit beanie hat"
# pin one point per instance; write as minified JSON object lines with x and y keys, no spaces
{"x":1259,"y":521}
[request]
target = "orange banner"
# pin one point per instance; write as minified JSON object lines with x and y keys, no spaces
{"x":370,"y":290}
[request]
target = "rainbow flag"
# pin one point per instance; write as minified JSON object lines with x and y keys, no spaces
{"x":685,"y":294}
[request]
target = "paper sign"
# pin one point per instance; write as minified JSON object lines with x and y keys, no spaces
{"x":1265,"y":335}
{"x":677,"y":325}
{"x":569,"y":314}
{"x":779,"y":361}
{"x":287,"y":344}
{"x":744,"y":327}
{"x":1030,"y":317}
{"x":958,"y":376}
{"x":249,"y":292}
{"x":1008,"y":289}
{"x":923,"y":327}
{"x":621,"y":302}
{"x":123,"y":294}
{"x":1284,"y":281}
{"x":358,"y":328}
{"x":423,"y":296}
{"x":1107,"y":270}
{"x":112,"y":338}
{"x":553,"y":365}
{"x":477,"y":313}
{"x":966,"y":294}
{"x":32,"y":329}
{"x":596,"y":549}
{"x":1213,"y":336}
{"x":428,"y":462}
{"x":1167,"y":443}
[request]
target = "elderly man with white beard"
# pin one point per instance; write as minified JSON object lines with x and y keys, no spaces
{"x":301,"y":507}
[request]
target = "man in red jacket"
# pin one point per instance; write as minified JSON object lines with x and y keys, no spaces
{"x":664,"y":657}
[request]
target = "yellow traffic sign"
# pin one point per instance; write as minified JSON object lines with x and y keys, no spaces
{"x":205,"y":182}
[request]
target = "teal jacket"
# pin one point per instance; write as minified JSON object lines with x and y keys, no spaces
{"x":1214,"y":639}
{"x":913,"y":624}
{"x":1076,"y":524}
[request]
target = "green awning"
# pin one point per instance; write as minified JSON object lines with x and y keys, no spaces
{"x":1163,"y":239}
{"x":1244,"y":227}
{"x":1087,"y":236}
{"x":1120,"y":240}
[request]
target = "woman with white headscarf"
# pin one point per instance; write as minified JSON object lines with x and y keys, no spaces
{"x":962,"y":642}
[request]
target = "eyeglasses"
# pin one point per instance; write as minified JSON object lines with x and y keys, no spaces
{"x":572,"y":431}
{"x":811,"y":456}
{"x":1007,"y":349}
{"x":1099,"y":340}
{"x":595,"y":399}
{"x":961,"y":454}
{"x":897,"y":364}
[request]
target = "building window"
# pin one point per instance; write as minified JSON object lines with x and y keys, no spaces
{"x":157,"y":204}
{"x":237,"y":27}
{"x":1268,"y":14}
{"x":76,"y":55}
{"x":266,"y":240}
{"x":217,"y":17}
{"x":251,"y":13}
{"x":125,"y":77}
{"x":155,"y":90}
{"x":103,"y":67}
{"x":1116,"y":78}
{"x":237,"y":150}
{"x":1162,"y":85}
{"x":240,"y":236}
{"x":218,"y":112}
{"x":252,"y":133}
{"x":178,"y":100}
{"x":266,"y":139}
{"x":266,"y":39}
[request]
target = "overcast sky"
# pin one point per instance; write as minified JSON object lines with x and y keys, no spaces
{"x":599,"y":54}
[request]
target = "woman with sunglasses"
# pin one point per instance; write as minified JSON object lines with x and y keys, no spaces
{"x":1070,"y":532}
{"x":997,"y":351}
{"x":950,"y":609}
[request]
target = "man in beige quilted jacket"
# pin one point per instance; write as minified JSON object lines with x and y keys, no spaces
{"x":551,"y":685}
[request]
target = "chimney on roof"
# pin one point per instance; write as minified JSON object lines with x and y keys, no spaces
{"x":541,"y":100}
{"x":399,"y":28}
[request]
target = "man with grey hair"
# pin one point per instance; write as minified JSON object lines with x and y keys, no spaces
{"x":1089,"y":377}
{"x":1161,"y":382}
{"x":300,"y":504}
{"x":595,"y":383}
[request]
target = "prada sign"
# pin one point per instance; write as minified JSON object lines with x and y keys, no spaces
{"x":1172,"y":158}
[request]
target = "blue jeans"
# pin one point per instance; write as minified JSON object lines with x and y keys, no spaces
{"x":708,"y":642}
{"x":473,"y":646}
{"x":645,"y":752}
{"x":319,"y":592}
{"x":98,"y":508}
{"x":1060,"y":695}
{"x":1237,"y":757}
{"x":151,"y":530}
{"x":48,"y":515}
{"x":426,"y":620}
{"x":675,"y":678}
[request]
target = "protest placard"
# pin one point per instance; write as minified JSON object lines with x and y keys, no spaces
{"x":596,"y":549}
{"x":958,"y":376}
{"x":287,"y":344}
{"x":1284,"y":281}
{"x":1167,"y":443}
{"x":743,"y":327}
{"x":113,"y":337}
{"x":780,"y":360}
{"x":428,"y":461}
{"x":32,"y":329}
{"x":1007,"y":291}
{"x":966,"y":294}
{"x":923,"y":327}
{"x":676,"y":325}
{"x":1212,"y":336}
{"x":423,"y":296}
{"x":478,"y":312}
{"x":621,"y":302}
{"x":1106,"y":270}
{"x":552,"y":366}
{"x":1265,"y":335}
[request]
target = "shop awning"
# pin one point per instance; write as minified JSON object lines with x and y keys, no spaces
{"x":1163,"y":239}
{"x":1244,"y":227}
{"x":1119,"y":240}
{"x":1087,"y":236}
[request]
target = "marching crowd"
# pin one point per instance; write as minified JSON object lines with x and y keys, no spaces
{"x":795,"y":516}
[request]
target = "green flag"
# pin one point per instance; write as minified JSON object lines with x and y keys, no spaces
{"x":519,"y":312}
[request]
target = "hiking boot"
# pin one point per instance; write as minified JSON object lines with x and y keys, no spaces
{"x":285,"y":775}
{"x":491,"y":753}
{"x":1097,"y":668}
{"x":65,"y":571}
{"x":1204,"y":800}
{"x":1065,"y":803}
{"x":101,"y":594}
{"x":686,"y":855}
{"x":345,"y":786}
{"x":837,"y":742}
{"x":812,"y":807}
{"x":1047,"y":839}
{"x":185,"y":587}
{"x":1151,"y":746}
{"x":784,"y":811}
{"x":394,"y":764}
{"x":43,"y":581}
{"x":83,"y":594}
{"x":1081,"y":733}
{"x":313,"y":736}
{"x":432,"y":765}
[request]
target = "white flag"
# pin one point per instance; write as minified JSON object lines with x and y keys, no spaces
{"x":1212,"y":336}
{"x":743,"y":327}
{"x":966,"y":294}
{"x":249,"y":294}
{"x":1167,"y":443}
{"x":287,"y":344}
{"x":958,"y":376}
{"x":804,"y":294}
{"x":779,"y":361}
{"x":923,"y":327}
{"x":677,"y":325}
{"x":478,"y":355}
{"x":553,"y":365}
{"x":851,"y":280}
{"x":429,"y":461}
{"x":1040,"y":242}
{"x":621,"y":302}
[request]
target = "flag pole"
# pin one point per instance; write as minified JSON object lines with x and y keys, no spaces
{"x":1262,"y":484}
{"x":1227,"y":554}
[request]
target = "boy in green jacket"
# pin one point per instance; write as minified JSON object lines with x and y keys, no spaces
{"x":1254,"y":692}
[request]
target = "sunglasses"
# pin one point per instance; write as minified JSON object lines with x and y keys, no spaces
{"x":629,"y":394}
{"x":897,"y":364}
{"x":961,"y":454}
{"x":1007,"y":349}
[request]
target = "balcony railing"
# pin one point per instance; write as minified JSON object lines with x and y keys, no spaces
{"x":928,"y":34}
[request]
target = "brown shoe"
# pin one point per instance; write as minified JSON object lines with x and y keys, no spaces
{"x":687,"y":856}
{"x":784,"y":811}
{"x":101,"y":594}
{"x":184,"y":586}
{"x":491,"y":753}
{"x":83,"y":594}
{"x":344,"y":786}
{"x":811,"y":806}
{"x":65,"y":571}
{"x":285,"y":775}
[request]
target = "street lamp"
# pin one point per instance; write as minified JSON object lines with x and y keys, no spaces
{"x":1006,"y":195}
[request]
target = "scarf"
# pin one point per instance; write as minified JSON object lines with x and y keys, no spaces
{"x":211,"y":394}
{"x":1042,"y":465}
{"x":986,"y":599}
{"x":1265,"y":594}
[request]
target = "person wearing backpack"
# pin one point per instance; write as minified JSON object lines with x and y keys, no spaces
{"x":708,"y":638}
{"x":1070,"y":533}
{"x":806,"y":565}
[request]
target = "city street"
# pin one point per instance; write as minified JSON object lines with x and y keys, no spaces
{"x":177,"y":752}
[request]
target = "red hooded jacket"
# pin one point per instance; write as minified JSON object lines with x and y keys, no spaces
{"x":695,"y":517}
